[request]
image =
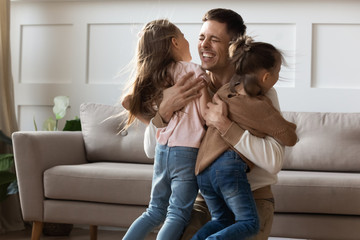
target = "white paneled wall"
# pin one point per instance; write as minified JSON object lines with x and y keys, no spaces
{"x":82,"y":48}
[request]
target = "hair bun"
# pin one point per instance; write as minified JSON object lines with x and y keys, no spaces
{"x":242,"y":43}
{"x":248,"y":41}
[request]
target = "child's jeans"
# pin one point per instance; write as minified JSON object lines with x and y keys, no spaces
{"x":227,"y":193}
{"x":173,"y":193}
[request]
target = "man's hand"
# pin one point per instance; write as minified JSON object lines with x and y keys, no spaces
{"x":217,"y":115}
{"x":177,"y":96}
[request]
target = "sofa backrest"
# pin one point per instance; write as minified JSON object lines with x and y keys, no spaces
{"x":102,"y":137}
{"x":327,"y":142}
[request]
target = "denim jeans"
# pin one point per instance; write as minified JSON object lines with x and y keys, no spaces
{"x":173,"y":194}
{"x":228,"y":195}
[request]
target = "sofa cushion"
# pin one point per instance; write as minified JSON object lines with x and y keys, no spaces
{"x":103,"y":140}
{"x":105,"y":182}
{"x":317,"y":192}
{"x":327,"y":142}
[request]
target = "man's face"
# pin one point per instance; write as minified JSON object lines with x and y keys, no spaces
{"x":213,"y":46}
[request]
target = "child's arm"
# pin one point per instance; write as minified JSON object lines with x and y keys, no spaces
{"x":267,"y":153}
{"x":278,"y":127}
{"x":285,"y":132}
{"x":126,"y":104}
{"x":204,"y":99}
{"x":262,"y":118}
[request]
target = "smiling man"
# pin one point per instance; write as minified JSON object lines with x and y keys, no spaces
{"x":213,"y":50}
{"x":220,"y":27}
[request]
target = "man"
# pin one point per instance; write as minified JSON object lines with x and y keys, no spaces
{"x":220,"y":26}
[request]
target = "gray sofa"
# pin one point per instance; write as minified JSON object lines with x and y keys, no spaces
{"x":101,"y":177}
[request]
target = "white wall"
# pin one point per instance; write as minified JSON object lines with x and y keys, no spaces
{"x":77,"y":48}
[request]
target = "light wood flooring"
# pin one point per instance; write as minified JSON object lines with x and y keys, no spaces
{"x":76,"y":234}
{"x":83,"y":234}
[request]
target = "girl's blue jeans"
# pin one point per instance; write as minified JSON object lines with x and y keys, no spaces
{"x":173,"y":194}
{"x":227,"y":193}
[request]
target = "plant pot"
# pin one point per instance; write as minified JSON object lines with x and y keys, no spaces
{"x":57,"y":229}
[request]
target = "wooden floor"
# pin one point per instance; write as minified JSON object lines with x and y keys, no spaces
{"x":76,"y":234}
{"x":83,"y":234}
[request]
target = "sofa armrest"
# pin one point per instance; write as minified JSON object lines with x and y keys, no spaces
{"x":35,"y":152}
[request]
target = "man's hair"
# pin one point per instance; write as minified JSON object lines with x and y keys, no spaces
{"x":234,"y":22}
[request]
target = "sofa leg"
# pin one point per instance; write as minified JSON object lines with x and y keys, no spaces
{"x":36,"y":230}
{"x":93,"y":232}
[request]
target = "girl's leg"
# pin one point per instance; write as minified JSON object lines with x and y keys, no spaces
{"x":160,"y":193}
{"x":232,"y":180}
{"x":211,"y":228}
{"x":221,"y":215}
{"x":181,"y":165}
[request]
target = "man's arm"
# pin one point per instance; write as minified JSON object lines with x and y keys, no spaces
{"x":176,"y":97}
{"x":150,"y":140}
{"x":266,"y":152}
{"x":150,"y":131}
{"x":126,"y":104}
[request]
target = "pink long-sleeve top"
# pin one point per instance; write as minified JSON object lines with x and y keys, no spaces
{"x":186,"y":127}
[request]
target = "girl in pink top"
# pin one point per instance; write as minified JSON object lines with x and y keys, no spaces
{"x":163,"y":57}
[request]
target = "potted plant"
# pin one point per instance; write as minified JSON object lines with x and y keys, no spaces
{"x":8,"y":184}
{"x":61,"y":104}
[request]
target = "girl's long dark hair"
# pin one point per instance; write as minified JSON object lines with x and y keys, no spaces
{"x":153,"y":58}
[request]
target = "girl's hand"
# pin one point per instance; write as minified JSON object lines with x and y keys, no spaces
{"x":216,"y":115}
{"x":177,"y":96}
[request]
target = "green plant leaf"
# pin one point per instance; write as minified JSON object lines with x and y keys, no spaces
{"x":7,"y":177}
{"x":5,"y":138}
{"x":8,"y":184}
{"x":61,"y":103}
{"x":3,"y":192}
{"x":8,"y":189}
{"x":49,"y":124}
{"x":72,"y":125}
{"x":6,"y":161}
{"x":35,"y":125}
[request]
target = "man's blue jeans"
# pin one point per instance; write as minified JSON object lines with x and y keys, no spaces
{"x":227,"y":193}
{"x":173,"y":194}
